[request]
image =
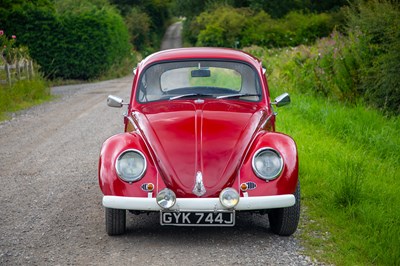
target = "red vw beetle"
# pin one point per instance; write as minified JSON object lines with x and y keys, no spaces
{"x":200,"y":145}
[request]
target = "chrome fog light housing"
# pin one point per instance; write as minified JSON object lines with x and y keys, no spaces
{"x":229,"y":198}
{"x":166,"y":198}
{"x":267,"y":163}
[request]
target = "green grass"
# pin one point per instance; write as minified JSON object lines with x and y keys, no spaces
{"x":21,"y":95}
{"x":220,"y":77}
{"x":349,"y":167}
{"x":349,"y":156}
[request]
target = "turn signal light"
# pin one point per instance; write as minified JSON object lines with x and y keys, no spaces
{"x":148,"y":187}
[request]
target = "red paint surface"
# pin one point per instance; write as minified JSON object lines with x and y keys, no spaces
{"x":217,"y":137}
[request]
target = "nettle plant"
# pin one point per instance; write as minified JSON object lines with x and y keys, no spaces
{"x":8,"y":52}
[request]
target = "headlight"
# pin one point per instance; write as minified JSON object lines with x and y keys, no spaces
{"x":229,"y":197}
{"x":131,"y":165}
{"x":166,"y":198}
{"x":267,"y":163}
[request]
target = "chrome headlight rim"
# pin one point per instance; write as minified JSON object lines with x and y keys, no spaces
{"x":227,"y":190}
{"x":257,"y":172}
{"x":118,"y":170}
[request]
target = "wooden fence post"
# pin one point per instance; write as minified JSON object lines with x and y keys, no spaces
{"x":32,"y":73}
{"x":8,"y":74}
{"x":26,"y":70}
{"x":18,"y":72}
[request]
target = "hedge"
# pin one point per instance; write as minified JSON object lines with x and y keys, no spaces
{"x":226,"y":26}
{"x":71,"y":45}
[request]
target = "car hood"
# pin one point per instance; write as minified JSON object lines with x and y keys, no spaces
{"x":188,"y":138}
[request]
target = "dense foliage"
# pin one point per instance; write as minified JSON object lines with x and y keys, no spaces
{"x":273,"y":23}
{"x":76,"y":41}
{"x":361,"y":64}
{"x":275,"y":8}
{"x":374,"y":46}
{"x":146,"y":22}
{"x":226,"y":26}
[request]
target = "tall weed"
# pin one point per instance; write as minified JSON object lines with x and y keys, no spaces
{"x":348,"y":191}
{"x":22,"y":94}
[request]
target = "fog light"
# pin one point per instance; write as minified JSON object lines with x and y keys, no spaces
{"x":166,"y":198}
{"x":229,"y":197}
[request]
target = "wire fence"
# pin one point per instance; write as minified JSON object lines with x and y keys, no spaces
{"x":20,"y":70}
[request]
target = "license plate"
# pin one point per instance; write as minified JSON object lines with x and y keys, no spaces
{"x":198,"y":218}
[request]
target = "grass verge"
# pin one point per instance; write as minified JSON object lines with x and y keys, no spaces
{"x":21,"y":95}
{"x":349,"y":167}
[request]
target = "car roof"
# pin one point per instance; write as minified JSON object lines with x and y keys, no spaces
{"x":201,"y":53}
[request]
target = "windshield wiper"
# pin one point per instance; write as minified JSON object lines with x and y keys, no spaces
{"x":238,"y":95}
{"x":190,"y":95}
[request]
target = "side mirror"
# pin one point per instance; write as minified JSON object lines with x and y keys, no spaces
{"x":282,"y":100}
{"x":114,"y":101}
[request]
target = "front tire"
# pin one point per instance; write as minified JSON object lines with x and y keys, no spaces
{"x":115,"y":221}
{"x":284,"y":221}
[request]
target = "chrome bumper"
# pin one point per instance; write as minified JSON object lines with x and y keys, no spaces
{"x":199,"y":204}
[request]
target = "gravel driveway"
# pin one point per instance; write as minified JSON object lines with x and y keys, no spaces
{"x":51,"y":213}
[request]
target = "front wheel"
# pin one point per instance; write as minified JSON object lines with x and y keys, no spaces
{"x":115,"y":221}
{"x":284,"y":221}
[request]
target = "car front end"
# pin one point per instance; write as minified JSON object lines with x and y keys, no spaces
{"x":200,"y":145}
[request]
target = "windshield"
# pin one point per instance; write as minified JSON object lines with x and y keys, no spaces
{"x":213,"y":79}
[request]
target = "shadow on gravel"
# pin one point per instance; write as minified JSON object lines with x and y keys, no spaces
{"x":247,"y":224}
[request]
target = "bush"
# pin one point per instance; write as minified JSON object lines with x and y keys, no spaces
{"x":80,"y":41}
{"x":306,"y":28}
{"x":376,"y":25}
{"x":221,"y":28}
{"x":97,"y":39}
{"x":262,"y":30}
{"x":138,"y":24}
{"x":330,"y":68}
{"x":146,"y":21}
{"x":226,"y":26}
{"x":363,"y":65}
